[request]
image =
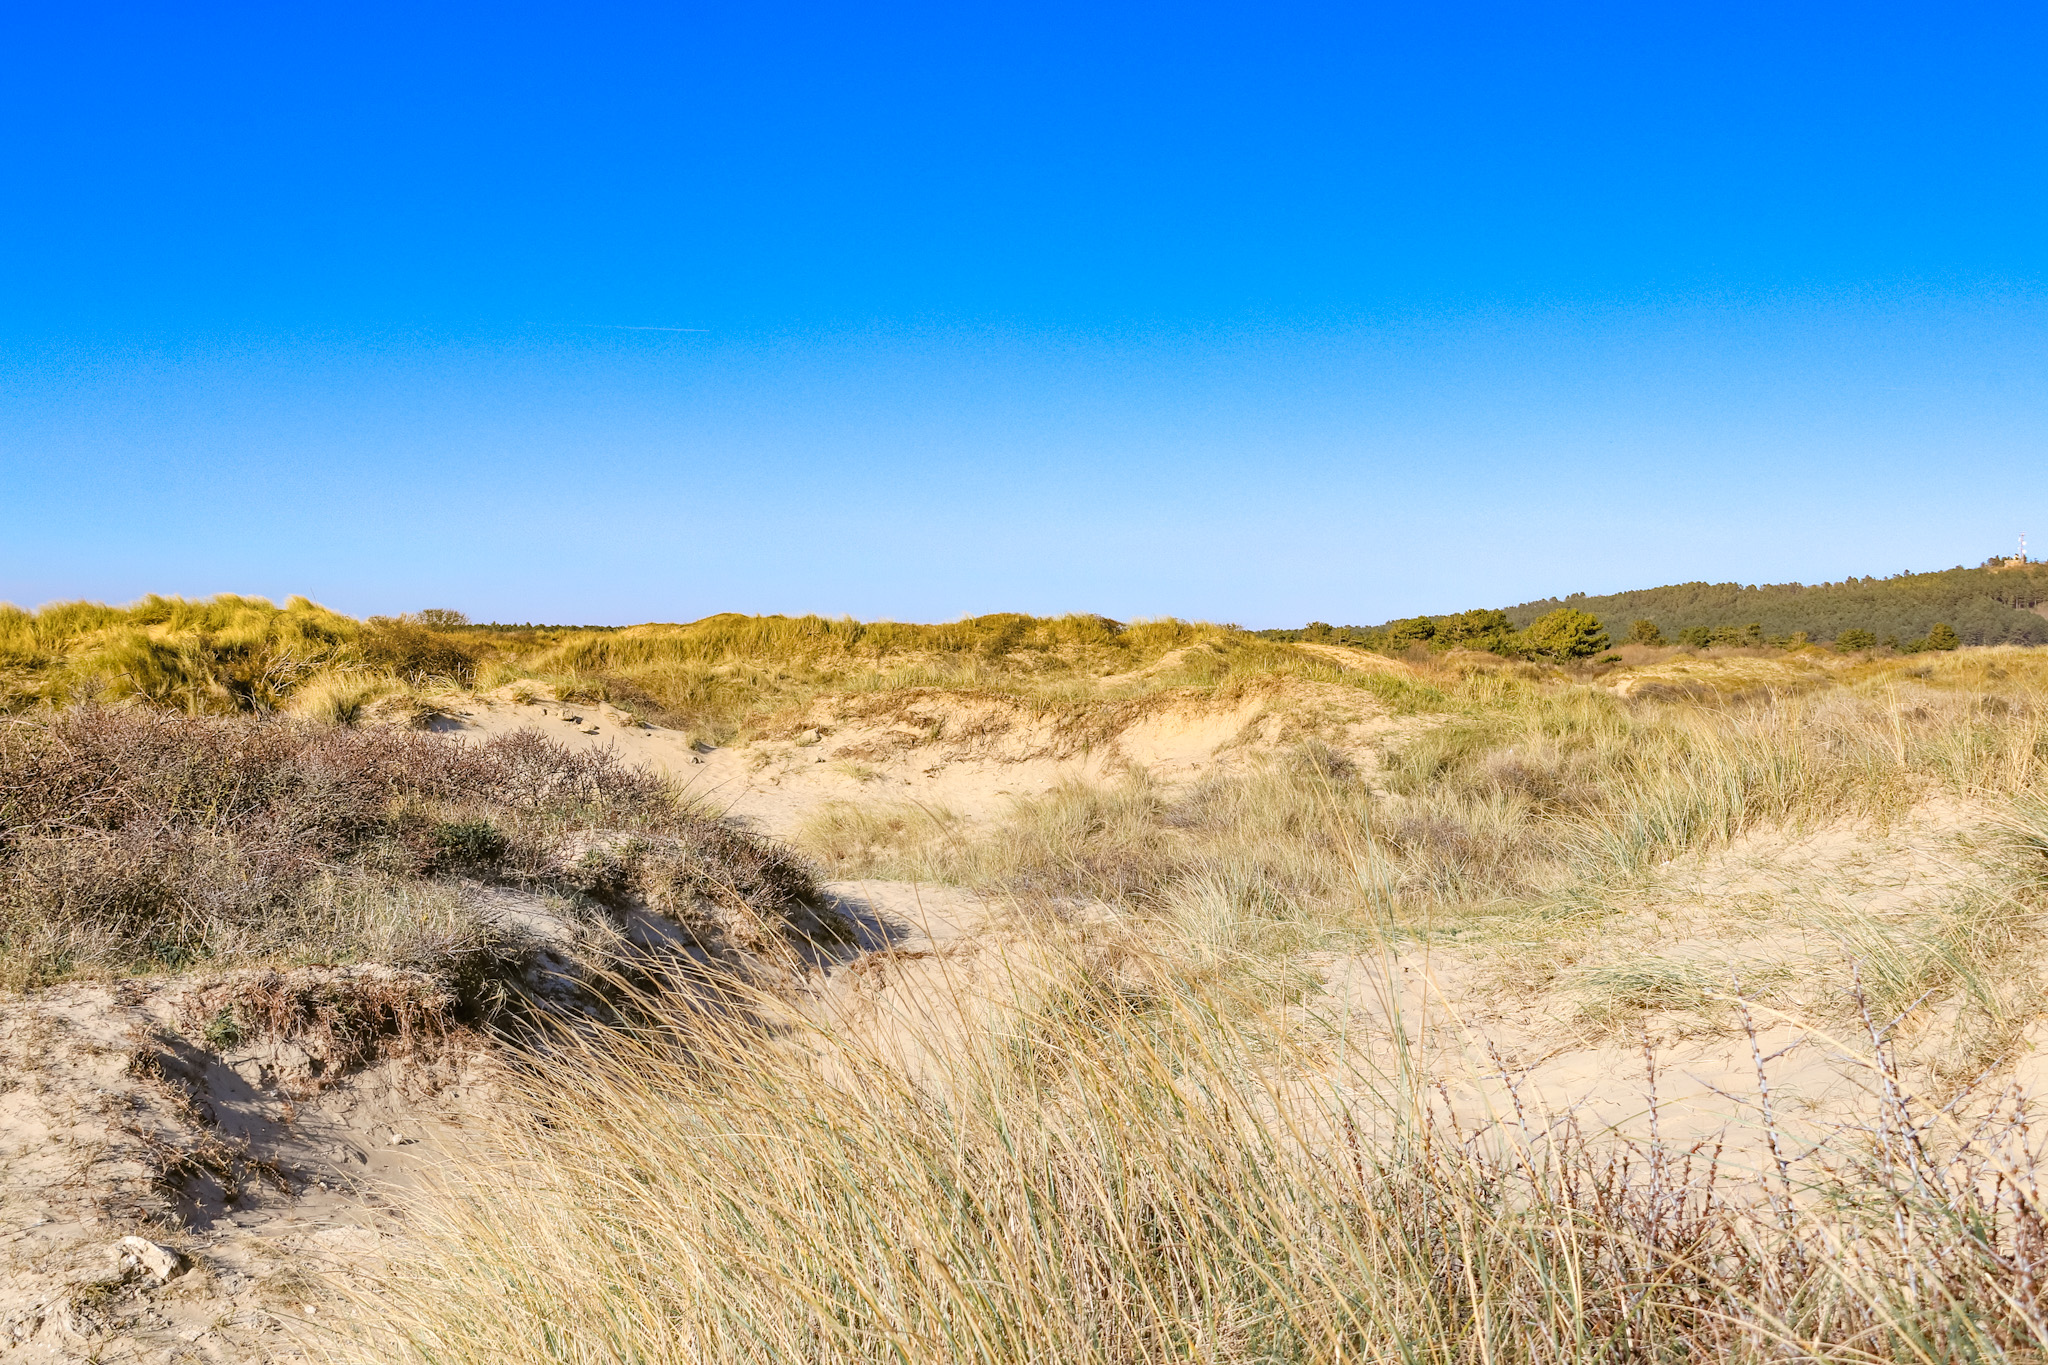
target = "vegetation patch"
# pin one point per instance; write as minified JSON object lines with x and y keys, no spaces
{"x":341,"y":1016}
{"x":138,"y":841}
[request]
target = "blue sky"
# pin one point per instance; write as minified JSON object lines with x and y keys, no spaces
{"x":1261,"y":314}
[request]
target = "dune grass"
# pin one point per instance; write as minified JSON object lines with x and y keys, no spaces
{"x":1166,"y":1147}
{"x":726,"y":676}
{"x":224,"y":655}
{"x":1122,"y":1168}
{"x":1541,"y":829}
{"x":723,"y":678}
{"x":1520,"y":786}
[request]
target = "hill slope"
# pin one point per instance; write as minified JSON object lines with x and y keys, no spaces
{"x":1985,"y":606}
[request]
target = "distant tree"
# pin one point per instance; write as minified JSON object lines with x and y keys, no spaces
{"x":1416,"y":630}
{"x":1699,"y":637}
{"x":441,"y":618}
{"x":1481,"y":628}
{"x":1645,"y":632}
{"x":1317,"y":630}
{"x":1855,"y":638}
{"x":1942,"y":636}
{"x":1564,"y":634}
{"x":1475,"y":624}
{"x":1993,"y":605}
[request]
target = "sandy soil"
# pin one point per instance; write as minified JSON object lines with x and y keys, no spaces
{"x":968,"y":755}
{"x":118,"y":1118}
{"x":272,"y":1182}
{"x":280,"y":1184}
{"x":1525,"y":1034}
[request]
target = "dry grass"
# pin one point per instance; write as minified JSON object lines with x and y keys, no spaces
{"x":1562,"y":838}
{"x":723,"y":677}
{"x":1525,"y":794}
{"x":227,"y":654}
{"x":728,"y":676}
{"x":339,"y":696}
{"x":1163,"y":1149}
{"x":1130,"y":1173}
{"x":1165,"y":1145}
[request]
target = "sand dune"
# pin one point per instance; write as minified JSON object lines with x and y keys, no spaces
{"x":969,"y":755}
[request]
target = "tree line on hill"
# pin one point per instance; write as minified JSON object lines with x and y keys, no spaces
{"x":1561,"y":635}
{"x":1990,"y":605}
{"x":1998,"y":603}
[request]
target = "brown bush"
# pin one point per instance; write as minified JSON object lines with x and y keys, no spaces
{"x":342,"y":1016}
{"x":142,"y":838}
{"x":415,"y":652}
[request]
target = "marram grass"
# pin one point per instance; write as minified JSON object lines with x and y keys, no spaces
{"x":1116,"y":1171}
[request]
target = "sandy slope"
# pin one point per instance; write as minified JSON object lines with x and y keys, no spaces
{"x":967,"y":754}
{"x":115,"y":1121}
{"x":102,"y":1089}
{"x":118,"y":1118}
{"x":1530,"y":1035}
{"x":91,"y":1080}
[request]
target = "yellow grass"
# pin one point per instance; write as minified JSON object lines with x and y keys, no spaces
{"x":1166,"y":1143}
{"x":1163,"y":1146}
{"x":1120,"y":1169}
{"x":722,"y":677}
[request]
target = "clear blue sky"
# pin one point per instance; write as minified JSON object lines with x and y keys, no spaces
{"x":1264,"y":313}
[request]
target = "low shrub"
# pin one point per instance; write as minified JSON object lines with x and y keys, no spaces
{"x":139,"y":840}
{"x":414,"y":652}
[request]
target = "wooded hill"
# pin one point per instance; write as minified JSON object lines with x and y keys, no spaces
{"x":1997,"y":603}
{"x":1985,"y":606}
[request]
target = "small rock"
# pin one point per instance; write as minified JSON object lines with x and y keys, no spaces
{"x":139,"y":1252}
{"x":809,"y":737}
